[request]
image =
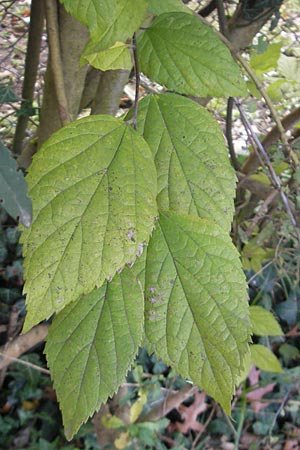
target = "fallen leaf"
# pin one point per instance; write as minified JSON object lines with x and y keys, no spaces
{"x":190,"y":413}
{"x":257,"y":395}
{"x":291,"y":445}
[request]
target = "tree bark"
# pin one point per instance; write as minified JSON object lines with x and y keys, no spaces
{"x":72,"y":37}
{"x":31,"y":66}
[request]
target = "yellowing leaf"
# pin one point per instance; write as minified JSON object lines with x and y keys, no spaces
{"x":113,"y":58}
{"x":196,"y":309}
{"x":91,"y":345}
{"x":122,"y":440}
{"x":93,"y":188}
{"x":137,"y":407}
{"x":185,"y":55}
{"x":193,"y":168}
{"x":113,"y":422}
{"x":264,"y":359}
{"x":263,"y":322}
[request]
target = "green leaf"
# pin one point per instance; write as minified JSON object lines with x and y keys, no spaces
{"x":185,"y":55}
{"x":158,"y":7}
{"x":266,"y":61}
{"x":91,"y":345}
{"x":93,"y":188}
{"x":289,"y":67}
{"x":196,"y":309}
{"x":193,"y":168}
{"x":264,"y":359}
{"x":13,"y":188}
{"x":263,"y":322}
{"x":108,"y":20}
{"x":113,"y":58}
{"x":7,"y":93}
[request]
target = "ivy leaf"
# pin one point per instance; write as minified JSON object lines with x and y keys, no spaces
{"x":264,"y":359}
{"x":185,"y":55}
{"x":108,"y":21}
{"x":157,"y":7}
{"x":13,"y":188}
{"x":93,"y":188}
{"x":91,"y":345}
{"x":196,"y":309}
{"x":263,"y":322}
{"x":193,"y":168}
{"x":113,"y":58}
{"x":7,"y":93}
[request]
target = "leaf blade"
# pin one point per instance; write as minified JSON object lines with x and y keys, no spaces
{"x":108,"y":20}
{"x":115,"y":57}
{"x":193,"y":169}
{"x":264,"y":359}
{"x":263,"y":322}
{"x":91,"y":345}
{"x":93,"y":208}
{"x":185,"y":55}
{"x":196,"y":309}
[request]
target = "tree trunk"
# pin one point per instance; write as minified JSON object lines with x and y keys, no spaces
{"x":72,"y":38}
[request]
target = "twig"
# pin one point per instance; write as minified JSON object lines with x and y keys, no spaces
{"x":208,"y":9}
{"x":262,"y":210}
{"x":252,"y":163}
{"x":293,"y":157}
{"x":56,"y":62}
{"x":205,"y":425}
{"x":25,"y":363}
{"x":12,"y":331}
{"x":241,"y":420}
{"x":282,"y":405}
{"x":228,"y":133}
{"x":272,"y":175}
{"x":172,"y":401}
{"x":259,"y":272}
{"x":22,"y":344}
{"x":137,"y":82}
{"x":222,"y":18}
{"x":286,"y":146}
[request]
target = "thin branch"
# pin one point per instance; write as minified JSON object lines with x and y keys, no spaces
{"x":222,"y":18}
{"x":293,"y":157}
{"x":288,"y":122}
{"x":56,"y":62}
{"x":171,"y":401}
{"x":262,"y":210}
{"x":22,"y":344}
{"x":257,"y":145}
{"x":286,"y":146}
{"x":282,"y":405}
{"x":25,"y":363}
{"x":208,"y":9}
{"x":206,"y":423}
{"x":228,"y":133}
{"x":137,"y":82}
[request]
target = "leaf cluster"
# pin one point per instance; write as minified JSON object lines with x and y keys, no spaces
{"x":130,"y":232}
